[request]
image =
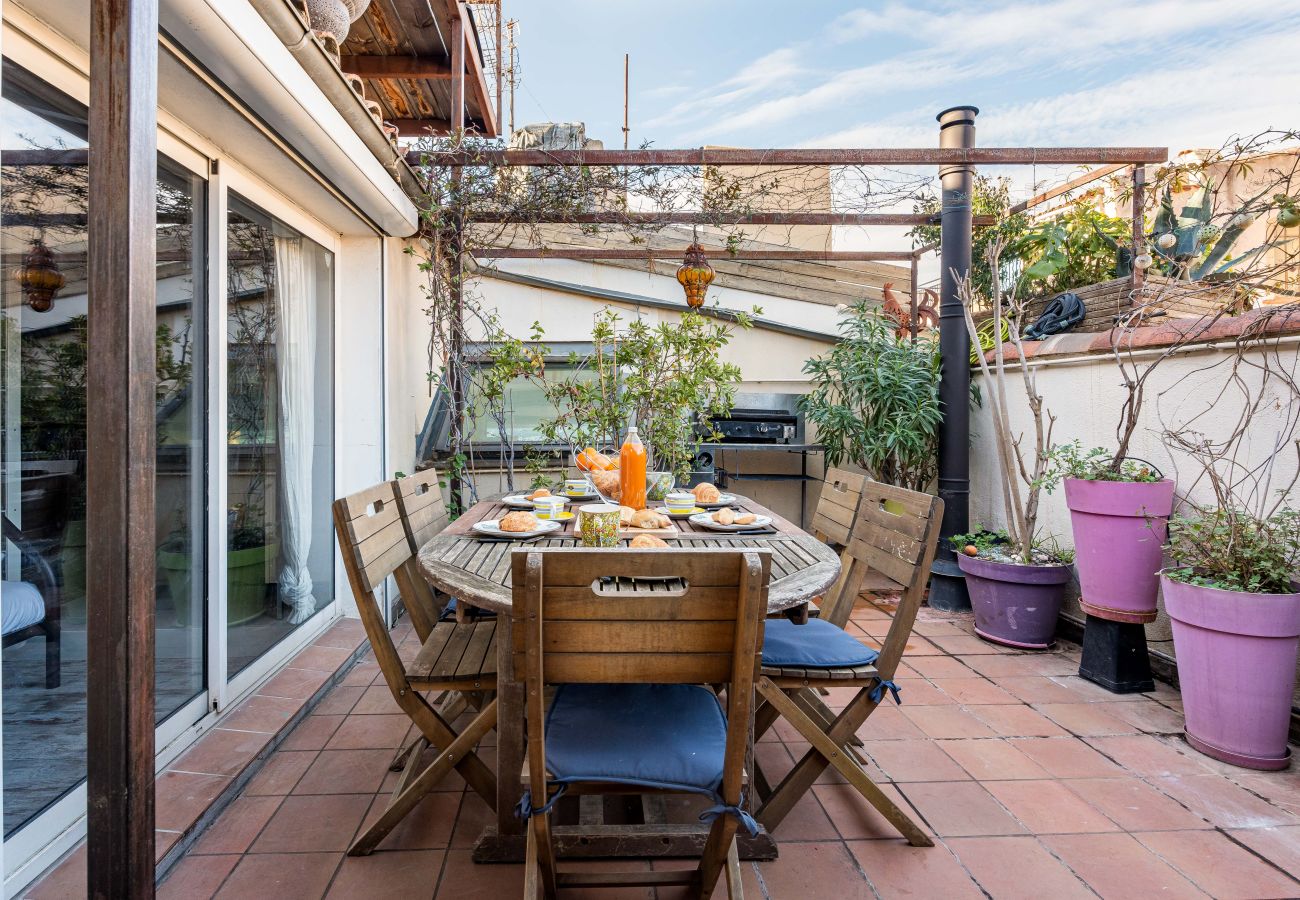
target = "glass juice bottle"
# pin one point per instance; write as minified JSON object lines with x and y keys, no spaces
{"x":631,"y":470}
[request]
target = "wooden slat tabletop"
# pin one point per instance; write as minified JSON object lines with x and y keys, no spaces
{"x":459,"y":563}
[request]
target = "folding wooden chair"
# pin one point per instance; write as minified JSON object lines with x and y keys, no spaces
{"x":899,"y":542}
{"x":837,"y":510}
{"x":631,"y":655}
{"x":454,"y":657}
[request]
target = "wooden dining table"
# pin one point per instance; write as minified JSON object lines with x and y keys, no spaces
{"x":477,"y":572}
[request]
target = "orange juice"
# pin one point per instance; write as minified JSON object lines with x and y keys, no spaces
{"x":632,"y":465}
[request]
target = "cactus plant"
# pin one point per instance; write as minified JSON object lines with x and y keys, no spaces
{"x":1194,"y":234}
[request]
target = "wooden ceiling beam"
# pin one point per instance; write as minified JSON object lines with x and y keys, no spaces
{"x":397,"y":66}
{"x":421,"y":127}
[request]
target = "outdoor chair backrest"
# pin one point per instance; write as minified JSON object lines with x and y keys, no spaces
{"x":374,"y":545}
{"x":837,"y":506}
{"x":896,"y":533}
{"x":423,"y":514}
{"x":652,"y":616}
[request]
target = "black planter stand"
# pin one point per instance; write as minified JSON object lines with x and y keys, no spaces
{"x":948,"y":586}
{"x":1115,"y":656}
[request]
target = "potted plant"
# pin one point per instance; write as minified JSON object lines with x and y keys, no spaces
{"x":1016,"y":580}
{"x":875,"y":400}
{"x":1235,"y":605}
{"x":1118,"y":514}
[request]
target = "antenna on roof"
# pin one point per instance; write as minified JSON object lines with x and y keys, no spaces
{"x":626,"y":67}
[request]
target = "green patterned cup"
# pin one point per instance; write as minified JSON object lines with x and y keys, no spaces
{"x":598,"y":523}
{"x":658,"y":484}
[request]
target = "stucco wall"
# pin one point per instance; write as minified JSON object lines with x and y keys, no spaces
{"x":1085,"y":393}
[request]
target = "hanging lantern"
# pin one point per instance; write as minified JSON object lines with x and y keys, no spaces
{"x":39,"y":277}
{"x":695,"y":275}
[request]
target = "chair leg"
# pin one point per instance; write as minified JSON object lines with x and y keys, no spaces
{"x":410,"y":791}
{"x":722,"y":836}
{"x":404,"y":755}
{"x":539,"y":834}
{"x":735,"y":887}
{"x":835,"y":754}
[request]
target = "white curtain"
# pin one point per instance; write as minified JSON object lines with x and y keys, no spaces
{"x":295,"y":307}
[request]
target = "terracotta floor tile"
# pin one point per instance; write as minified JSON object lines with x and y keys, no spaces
{"x":1116,"y":865}
{"x":258,"y":713}
{"x":181,"y":797}
{"x":974,"y":690}
{"x":920,"y":692}
{"x":963,"y":643}
{"x":992,"y":759}
{"x":462,"y":879}
{"x":474,"y":815}
{"x":1016,"y":720}
{"x":387,"y":873}
{"x":940,"y":667}
{"x":1134,"y":805}
{"x":222,"y":752}
{"x":998,"y":665}
{"x":1149,"y":716}
{"x":1089,"y":692}
{"x":237,"y":826}
{"x":1038,"y":689}
{"x":280,"y":772}
{"x":361,"y":675}
{"x":1223,"y":803}
{"x":298,"y":684}
{"x":1282,"y":789}
{"x":1085,"y":719}
{"x":919,"y":646}
{"x":928,"y":628}
{"x":196,"y":877}
{"x":1280,"y":846}
{"x":830,"y":775}
{"x":312,"y":733}
{"x":1052,"y":663}
{"x":281,"y":876}
{"x":806,"y":821}
{"x":960,"y":809}
{"x":816,"y":870}
{"x":1147,"y":755}
{"x":897,"y":871}
{"x":427,"y":827}
{"x":163,"y":841}
{"x":1219,"y":866}
{"x":1017,"y":868}
{"x":748,"y":879}
{"x":339,"y":701}
{"x":370,"y":732}
{"x":1049,"y":807}
{"x":345,"y":772}
{"x":947,"y":722}
{"x":345,"y":633}
{"x":1066,"y":757}
{"x":326,"y":659}
{"x":856,"y":819}
{"x":377,"y":699}
{"x":312,"y":824}
{"x":887,"y":723}
{"x":916,"y":761}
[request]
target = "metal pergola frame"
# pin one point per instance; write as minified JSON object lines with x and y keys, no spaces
{"x":121,"y":458}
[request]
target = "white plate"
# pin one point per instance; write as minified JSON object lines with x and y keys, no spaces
{"x":723,"y":500}
{"x":492,"y":528}
{"x":590,"y":495}
{"x":521,"y":501}
{"x":705,"y":520}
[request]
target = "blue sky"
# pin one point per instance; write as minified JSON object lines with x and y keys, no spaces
{"x":1182,"y":73}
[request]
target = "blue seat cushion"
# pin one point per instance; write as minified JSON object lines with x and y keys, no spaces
{"x":817,"y":645}
{"x":671,"y":736}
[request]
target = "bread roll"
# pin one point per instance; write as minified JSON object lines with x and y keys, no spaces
{"x":648,"y":518}
{"x":745,"y":519}
{"x":706,"y":493}
{"x":540,"y":492}
{"x":724,"y":516}
{"x":625,"y":514}
{"x":519,"y":521}
{"x":608,"y":484}
{"x":647,"y":541}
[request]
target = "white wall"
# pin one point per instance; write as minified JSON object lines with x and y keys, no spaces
{"x":1085,"y":394}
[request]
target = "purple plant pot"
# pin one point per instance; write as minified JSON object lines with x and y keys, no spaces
{"x":1016,"y":606}
{"x":1119,"y":530}
{"x":1236,"y":668}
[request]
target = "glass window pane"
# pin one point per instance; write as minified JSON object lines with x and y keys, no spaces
{"x":45,"y":196}
{"x":279,"y":431}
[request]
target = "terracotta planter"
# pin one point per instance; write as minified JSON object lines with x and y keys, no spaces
{"x":1119,"y":529}
{"x":1016,"y":606}
{"x":1236,"y":668}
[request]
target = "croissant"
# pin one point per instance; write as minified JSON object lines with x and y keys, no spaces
{"x":724,"y":516}
{"x":540,"y":492}
{"x":648,"y":518}
{"x":625,"y":514}
{"x":519,"y":521}
{"x":707,"y":493}
{"x":647,"y":541}
{"x":607,"y":483}
{"x":745,"y":519}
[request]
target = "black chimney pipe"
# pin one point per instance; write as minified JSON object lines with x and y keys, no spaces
{"x":948,"y":586}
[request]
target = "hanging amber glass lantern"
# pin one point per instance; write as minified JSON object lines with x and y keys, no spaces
{"x":39,"y":277}
{"x":695,"y":275}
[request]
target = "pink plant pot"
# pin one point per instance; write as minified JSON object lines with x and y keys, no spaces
{"x":1236,"y":668}
{"x":1119,"y":529}
{"x":1016,"y":606}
